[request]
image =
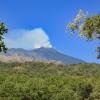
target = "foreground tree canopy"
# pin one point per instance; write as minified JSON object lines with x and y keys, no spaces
{"x":88,"y":27}
{"x":3,"y":30}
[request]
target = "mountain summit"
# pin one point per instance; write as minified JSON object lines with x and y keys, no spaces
{"x":40,"y":54}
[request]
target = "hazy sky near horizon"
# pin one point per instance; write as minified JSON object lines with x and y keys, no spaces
{"x":41,"y":23}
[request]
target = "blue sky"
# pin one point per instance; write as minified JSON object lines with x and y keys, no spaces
{"x":35,"y":23}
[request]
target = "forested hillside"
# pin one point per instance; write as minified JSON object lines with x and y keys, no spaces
{"x":49,"y":81}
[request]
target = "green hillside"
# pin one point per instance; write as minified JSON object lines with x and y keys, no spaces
{"x":49,"y":81}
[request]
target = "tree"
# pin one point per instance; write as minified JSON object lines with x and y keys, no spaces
{"x":88,"y":27}
{"x":3,"y":30}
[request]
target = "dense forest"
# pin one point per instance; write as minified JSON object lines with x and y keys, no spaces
{"x":49,"y":81}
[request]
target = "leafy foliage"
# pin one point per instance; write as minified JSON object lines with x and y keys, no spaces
{"x":88,"y":26}
{"x":3,"y":30}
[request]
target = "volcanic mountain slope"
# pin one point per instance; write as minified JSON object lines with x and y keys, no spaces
{"x":40,"y":54}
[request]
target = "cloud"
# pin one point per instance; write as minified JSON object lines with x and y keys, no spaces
{"x":28,"y":39}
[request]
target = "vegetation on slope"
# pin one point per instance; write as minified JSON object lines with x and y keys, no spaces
{"x":49,"y":81}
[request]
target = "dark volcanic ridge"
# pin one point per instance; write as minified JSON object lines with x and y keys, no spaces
{"x":40,"y":54}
